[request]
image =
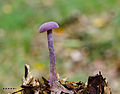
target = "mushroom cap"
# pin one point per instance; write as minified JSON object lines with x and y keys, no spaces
{"x":48,"y":26}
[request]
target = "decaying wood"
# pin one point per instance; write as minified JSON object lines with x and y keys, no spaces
{"x":58,"y":88}
{"x":95,"y":85}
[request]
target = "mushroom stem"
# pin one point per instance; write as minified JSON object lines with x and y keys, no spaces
{"x":52,"y":76}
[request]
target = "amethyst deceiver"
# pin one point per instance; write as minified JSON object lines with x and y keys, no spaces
{"x":48,"y":26}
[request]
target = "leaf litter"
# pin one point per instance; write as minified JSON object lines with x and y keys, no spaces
{"x":96,"y":84}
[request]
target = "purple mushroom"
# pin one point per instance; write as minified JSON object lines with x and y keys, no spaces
{"x":48,"y":27}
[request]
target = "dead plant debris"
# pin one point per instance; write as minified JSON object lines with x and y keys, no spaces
{"x":95,"y":85}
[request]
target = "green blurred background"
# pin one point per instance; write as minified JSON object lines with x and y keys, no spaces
{"x":86,"y":42}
